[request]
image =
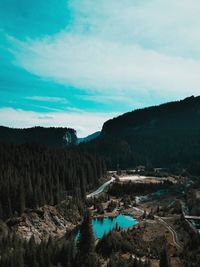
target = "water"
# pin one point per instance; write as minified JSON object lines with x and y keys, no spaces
{"x":157,"y":194}
{"x":104,"y":225}
{"x":196,"y":224}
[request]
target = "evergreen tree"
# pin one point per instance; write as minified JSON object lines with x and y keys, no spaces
{"x":164,"y":261}
{"x":86,"y":241}
{"x":21,"y":198}
{"x":86,"y":245}
{"x":32,"y":176}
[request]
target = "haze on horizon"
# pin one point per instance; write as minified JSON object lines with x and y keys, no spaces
{"x":74,"y":63}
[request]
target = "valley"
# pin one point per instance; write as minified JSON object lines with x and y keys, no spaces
{"x":160,"y":216}
{"x":99,"y":133}
{"x":147,"y":220}
{"x":126,"y":196}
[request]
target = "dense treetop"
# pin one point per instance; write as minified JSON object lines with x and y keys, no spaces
{"x":53,"y":137}
{"x":173,"y":115}
{"x":31,"y":176}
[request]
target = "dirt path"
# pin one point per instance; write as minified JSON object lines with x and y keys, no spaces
{"x":172,"y":231}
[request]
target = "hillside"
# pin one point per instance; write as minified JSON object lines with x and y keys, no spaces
{"x":53,"y":137}
{"x":88,"y":138}
{"x":182,"y":114}
{"x":166,"y":136}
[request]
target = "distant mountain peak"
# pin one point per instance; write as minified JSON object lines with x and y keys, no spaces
{"x":88,"y":138}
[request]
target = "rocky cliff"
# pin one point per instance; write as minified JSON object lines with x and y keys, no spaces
{"x":45,"y":222}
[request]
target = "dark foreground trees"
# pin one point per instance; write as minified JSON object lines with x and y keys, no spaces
{"x":86,"y":256}
{"x":15,"y":252}
{"x":18,"y":253}
{"x":32,"y":176}
{"x":164,"y":260}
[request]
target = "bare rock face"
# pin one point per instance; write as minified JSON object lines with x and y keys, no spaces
{"x":40,"y":223}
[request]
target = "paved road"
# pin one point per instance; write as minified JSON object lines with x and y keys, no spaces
{"x":192,"y":217}
{"x":101,"y":188}
{"x":172,"y":231}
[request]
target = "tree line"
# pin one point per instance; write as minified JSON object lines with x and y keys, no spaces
{"x":52,"y":136}
{"x":130,"y":188}
{"x":32,"y":176}
{"x":15,"y":252}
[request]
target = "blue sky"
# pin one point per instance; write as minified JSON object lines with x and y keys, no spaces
{"x":78,"y":63}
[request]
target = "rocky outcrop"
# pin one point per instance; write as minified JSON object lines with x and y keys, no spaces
{"x":41,"y":223}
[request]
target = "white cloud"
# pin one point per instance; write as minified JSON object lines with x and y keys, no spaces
{"x":116,"y":99}
{"x":83,"y":122}
{"x":169,"y":25}
{"x":122,"y":46}
{"x":47,"y":99}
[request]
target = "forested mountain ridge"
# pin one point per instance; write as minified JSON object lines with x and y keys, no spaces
{"x":167,"y":135}
{"x":43,"y":189}
{"x":53,"y":137}
{"x":174,"y":115}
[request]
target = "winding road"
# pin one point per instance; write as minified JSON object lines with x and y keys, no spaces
{"x":101,"y":188}
{"x":123,"y":179}
{"x":172,"y":231}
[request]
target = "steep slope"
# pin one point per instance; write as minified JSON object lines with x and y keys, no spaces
{"x":32,"y":176}
{"x":175,"y":115}
{"x":53,"y":137}
{"x":167,"y":135}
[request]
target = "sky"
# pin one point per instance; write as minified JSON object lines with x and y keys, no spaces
{"x":77,"y":63}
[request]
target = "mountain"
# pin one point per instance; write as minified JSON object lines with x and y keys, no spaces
{"x":166,"y":136}
{"x":170,"y":116}
{"x":88,"y":138}
{"x":53,"y":137}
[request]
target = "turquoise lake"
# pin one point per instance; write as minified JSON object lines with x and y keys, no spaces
{"x":196,"y":224}
{"x":103,"y":225}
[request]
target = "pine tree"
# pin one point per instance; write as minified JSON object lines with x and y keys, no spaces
{"x":86,"y":246}
{"x":21,"y":198}
{"x":82,"y":184}
{"x":86,"y":241}
{"x":112,"y":261}
{"x":164,"y":261}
